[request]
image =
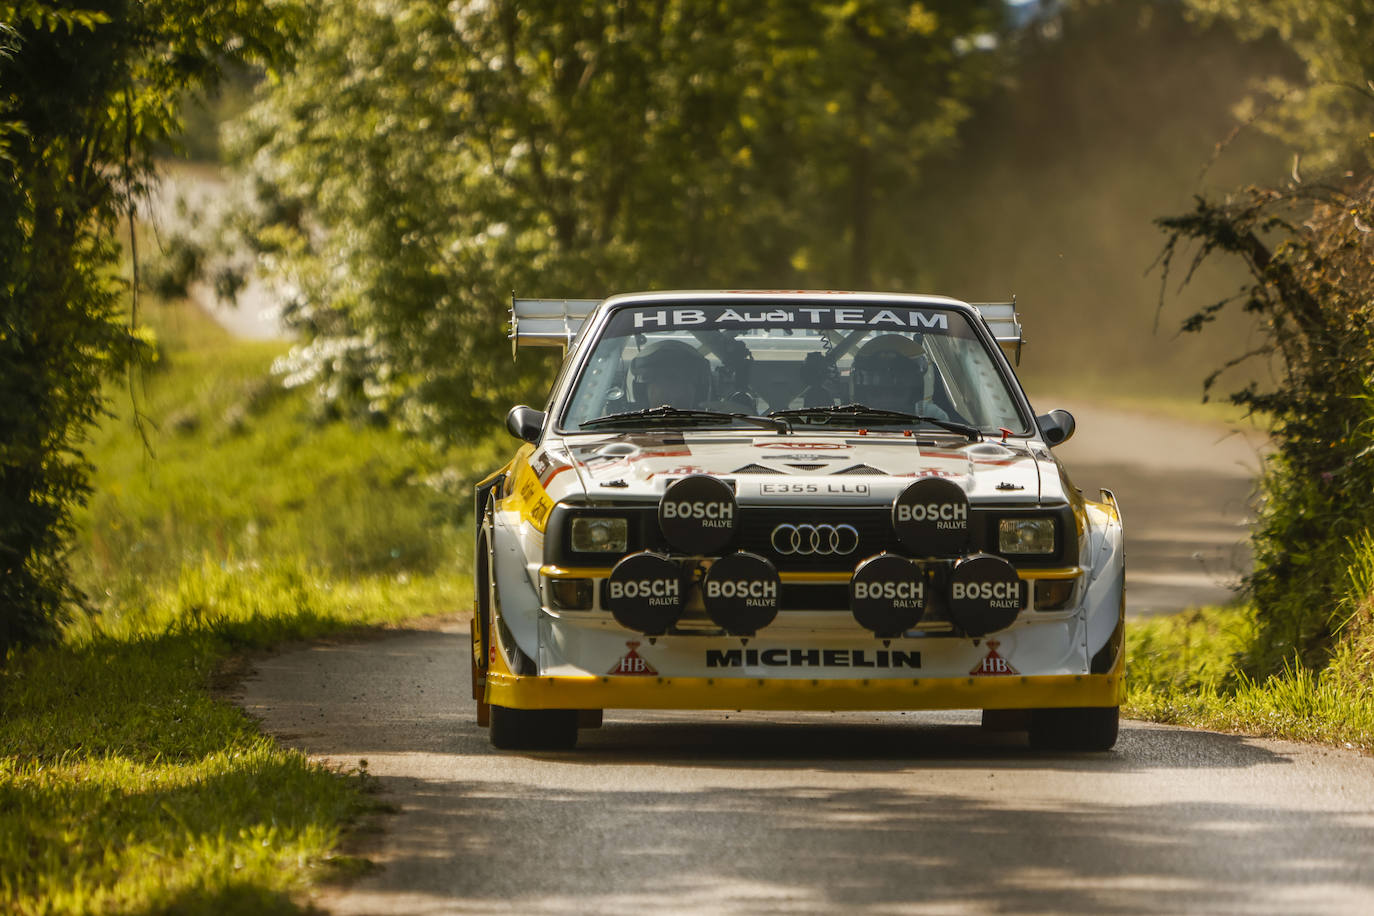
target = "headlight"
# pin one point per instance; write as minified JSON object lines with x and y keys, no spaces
{"x":600,"y":535}
{"x":1025,"y":535}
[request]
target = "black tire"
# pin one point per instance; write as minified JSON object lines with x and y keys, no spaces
{"x":1086,"y":728}
{"x":533,"y":729}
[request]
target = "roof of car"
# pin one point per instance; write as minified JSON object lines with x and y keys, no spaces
{"x":772,"y":295}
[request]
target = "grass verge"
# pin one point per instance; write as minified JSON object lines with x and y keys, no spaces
{"x":125,"y":787}
{"x":1188,"y":669}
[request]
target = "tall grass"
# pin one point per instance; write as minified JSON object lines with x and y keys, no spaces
{"x":1190,"y":669}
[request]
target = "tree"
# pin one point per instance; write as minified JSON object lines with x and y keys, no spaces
{"x":87,"y":95}
{"x":421,"y":163}
{"x":1328,"y":116}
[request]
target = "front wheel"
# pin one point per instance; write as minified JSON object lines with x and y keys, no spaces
{"x":1085,"y":728}
{"x":533,"y":729}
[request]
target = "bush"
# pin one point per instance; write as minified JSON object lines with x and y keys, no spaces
{"x":1310,"y":252}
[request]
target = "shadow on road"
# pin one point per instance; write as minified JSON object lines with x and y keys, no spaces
{"x":808,"y":812}
{"x":1187,"y":533}
{"x":895,"y":741}
{"x":808,"y":849}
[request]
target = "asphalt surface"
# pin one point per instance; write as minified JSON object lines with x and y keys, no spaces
{"x":1186,"y":493}
{"x":810,"y":813}
{"x":862,"y":812}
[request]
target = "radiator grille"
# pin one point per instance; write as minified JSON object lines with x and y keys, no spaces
{"x":873,"y":525}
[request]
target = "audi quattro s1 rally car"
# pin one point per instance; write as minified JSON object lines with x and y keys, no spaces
{"x":791,"y":501}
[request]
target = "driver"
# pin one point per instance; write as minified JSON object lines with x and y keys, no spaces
{"x":672,"y":373}
{"x":889,"y":372}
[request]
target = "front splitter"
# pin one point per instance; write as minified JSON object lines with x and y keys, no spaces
{"x":651,"y":692}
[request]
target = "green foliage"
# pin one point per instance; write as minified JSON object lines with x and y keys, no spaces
{"x":86,"y":95}
{"x":1182,"y":670}
{"x":1353,"y":659}
{"x":1106,"y":117}
{"x":124,"y":785}
{"x":239,"y":472}
{"x":1197,"y":651}
{"x":1328,"y":114}
{"x":1310,"y":252}
{"x":422,"y":162}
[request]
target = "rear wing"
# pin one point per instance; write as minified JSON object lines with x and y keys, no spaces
{"x":547,"y":322}
{"x":1005,"y":325}
{"x":555,"y":322}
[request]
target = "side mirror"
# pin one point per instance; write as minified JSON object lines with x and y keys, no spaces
{"x":525,"y":423}
{"x":1056,"y":427}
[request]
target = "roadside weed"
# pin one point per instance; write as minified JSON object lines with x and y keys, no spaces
{"x":1182,"y":670}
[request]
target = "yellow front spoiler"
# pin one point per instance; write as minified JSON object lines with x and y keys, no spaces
{"x":620,"y":692}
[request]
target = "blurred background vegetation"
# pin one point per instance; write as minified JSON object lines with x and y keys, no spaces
{"x":171,"y":497}
{"x":417,"y":166}
{"x":397,"y":169}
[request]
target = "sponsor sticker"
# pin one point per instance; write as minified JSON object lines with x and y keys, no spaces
{"x":985,"y":594}
{"x":530,"y":498}
{"x":993,"y":664}
{"x":742,"y":593}
{"x":632,"y":664}
{"x":645,"y":592}
{"x":698,"y":514}
{"x":931,"y":518}
{"x":813,"y":658}
{"x":649,"y":318}
{"x":887,"y":594}
{"x":804,"y":446}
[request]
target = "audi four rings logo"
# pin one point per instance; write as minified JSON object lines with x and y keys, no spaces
{"x":815,"y":540}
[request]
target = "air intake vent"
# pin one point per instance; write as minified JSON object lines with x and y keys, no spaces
{"x":806,"y":467}
{"x":862,"y":469}
{"x":755,"y":469}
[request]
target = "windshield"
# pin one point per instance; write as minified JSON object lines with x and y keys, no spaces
{"x":771,"y":357}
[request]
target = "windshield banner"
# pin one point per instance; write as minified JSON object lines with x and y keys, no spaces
{"x":720,"y":317}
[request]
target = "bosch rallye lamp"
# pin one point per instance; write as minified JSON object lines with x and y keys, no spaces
{"x":790,"y":500}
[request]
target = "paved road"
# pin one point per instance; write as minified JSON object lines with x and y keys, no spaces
{"x":872,"y":813}
{"x":1185,"y":490}
{"x":811,"y":813}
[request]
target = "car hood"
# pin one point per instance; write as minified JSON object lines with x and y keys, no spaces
{"x":805,"y":467}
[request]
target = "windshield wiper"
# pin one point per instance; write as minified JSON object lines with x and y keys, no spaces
{"x":682,"y":415}
{"x":864,"y":412}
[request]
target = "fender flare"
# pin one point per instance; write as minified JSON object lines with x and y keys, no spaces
{"x":517,"y":604}
{"x":1105,"y":602}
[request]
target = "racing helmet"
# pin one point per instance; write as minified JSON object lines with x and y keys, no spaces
{"x":889,"y":372}
{"x":669,"y":372}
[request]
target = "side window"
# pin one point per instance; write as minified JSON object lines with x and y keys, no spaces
{"x":602,"y":387}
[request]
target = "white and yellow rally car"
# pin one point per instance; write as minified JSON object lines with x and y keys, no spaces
{"x":791,"y":501}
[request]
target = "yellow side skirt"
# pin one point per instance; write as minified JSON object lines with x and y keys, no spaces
{"x":1012,"y":692}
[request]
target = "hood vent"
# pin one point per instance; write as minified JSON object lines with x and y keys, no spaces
{"x":807,"y":467}
{"x":755,"y":469}
{"x":863,"y":469}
